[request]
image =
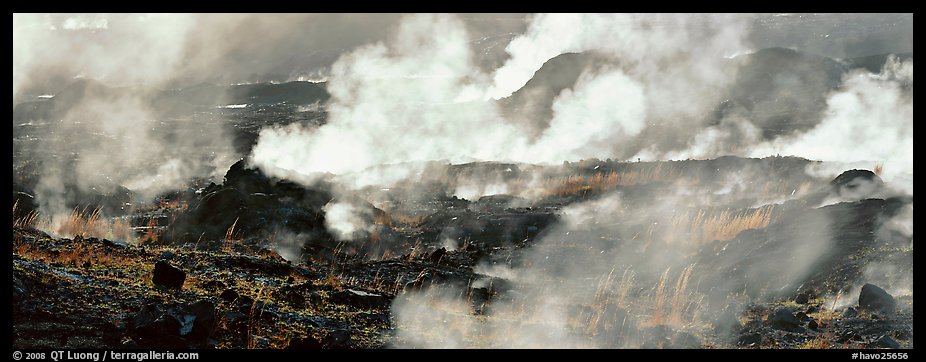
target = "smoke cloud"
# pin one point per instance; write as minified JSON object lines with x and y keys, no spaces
{"x":418,"y":97}
{"x":346,"y":220}
{"x":869,"y":119}
{"x":113,"y":139}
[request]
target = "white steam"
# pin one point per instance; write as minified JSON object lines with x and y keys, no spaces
{"x":870,"y":118}
{"x":346,"y":220}
{"x":418,"y":97}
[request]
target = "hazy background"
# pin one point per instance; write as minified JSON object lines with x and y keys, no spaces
{"x":175,"y":50}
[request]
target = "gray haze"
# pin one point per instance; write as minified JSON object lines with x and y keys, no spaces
{"x":183,"y":49}
{"x":177,"y":50}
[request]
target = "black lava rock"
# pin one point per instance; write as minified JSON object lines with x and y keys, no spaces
{"x":204,"y":321}
{"x":360,"y":299}
{"x":857,"y":184}
{"x":886,"y":342}
{"x":229,"y":295}
{"x":802,"y":298}
{"x":153,"y":322}
{"x":167,"y":275}
{"x":338,"y":338}
{"x":750,"y":340}
{"x":437,"y":255}
{"x":783,"y":319}
{"x":875,"y":299}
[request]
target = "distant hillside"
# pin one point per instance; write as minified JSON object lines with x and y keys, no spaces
{"x":780,"y":90}
{"x":531,"y":104}
{"x":873,"y":63}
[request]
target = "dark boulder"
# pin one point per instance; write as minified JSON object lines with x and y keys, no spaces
{"x":229,"y":295}
{"x":875,"y":299}
{"x":257,"y":205}
{"x":750,"y":340}
{"x":360,"y":299}
{"x":216,"y":212}
{"x":856,"y":184}
{"x":886,"y":342}
{"x":437,"y":255}
{"x":802,"y":298}
{"x":199,"y":320}
{"x":784,"y":319}
{"x":167,"y":275}
{"x":152,"y":321}
{"x":338,"y":338}
{"x":248,"y":180}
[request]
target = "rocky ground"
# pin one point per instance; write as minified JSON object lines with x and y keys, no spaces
{"x":203,"y":284}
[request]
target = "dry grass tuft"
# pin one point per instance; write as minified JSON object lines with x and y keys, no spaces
{"x":825,"y":340}
{"x":705,"y":226}
{"x":80,"y":222}
{"x":77,"y":255}
{"x":659,"y":302}
{"x":27,"y":221}
{"x":601,"y":182}
{"x":254,"y":317}
{"x":230,"y":237}
{"x":680,"y":296}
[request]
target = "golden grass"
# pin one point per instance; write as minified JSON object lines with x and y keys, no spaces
{"x":76,"y":255}
{"x":680,"y":297}
{"x":254,"y":328}
{"x":601,"y":182}
{"x":609,"y":292}
{"x":659,"y":300}
{"x":706,"y":226}
{"x":80,"y":222}
{"x":670,"y":311}
{"x":229,"y":237}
